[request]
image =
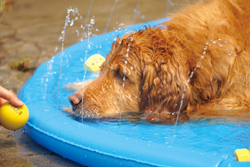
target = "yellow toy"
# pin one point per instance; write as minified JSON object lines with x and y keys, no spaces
{"x":12,"y":117}
{"x":242,"y":154}
{"x":94,"y":63}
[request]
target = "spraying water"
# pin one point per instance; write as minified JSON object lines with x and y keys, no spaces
{"x":219,"y":43}
{"x":110,"y":15}
{"x":68,"y":22}
{"x":136,"y":12}
{"x":87,"y":17}
{"x":90,"y":27}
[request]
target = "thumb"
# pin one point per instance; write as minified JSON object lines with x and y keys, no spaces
{"x":15,"y":101}
{"x":11,"y":97}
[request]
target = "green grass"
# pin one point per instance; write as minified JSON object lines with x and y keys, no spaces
{"x":20,"y":64}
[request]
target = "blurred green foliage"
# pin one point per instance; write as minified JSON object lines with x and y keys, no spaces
{"x":20,"y":64}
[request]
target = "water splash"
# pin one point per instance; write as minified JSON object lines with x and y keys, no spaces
{"x":56,"y":48}
{"x":89,"y":34}
{"x":87,"y":17}
{"x":16,"y":141}
{"x":110,"y":15}
{"x":62,"y":38}
{"x":136,"y":11}
{"x":169,"y":3}
{"x":124,"y":77}
{"x":219,"y":43}
{"x":47,"y":75}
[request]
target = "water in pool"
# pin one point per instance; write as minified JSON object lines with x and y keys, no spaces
{"x":215,"y":135}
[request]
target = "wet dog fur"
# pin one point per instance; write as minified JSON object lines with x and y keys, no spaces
{"x":196,"y":63}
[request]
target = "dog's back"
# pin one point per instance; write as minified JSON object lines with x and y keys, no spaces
{"x":215,"y":34}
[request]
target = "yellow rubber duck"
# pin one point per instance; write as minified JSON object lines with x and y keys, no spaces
{"x":12,"y":117}
{"x":94,"y":63}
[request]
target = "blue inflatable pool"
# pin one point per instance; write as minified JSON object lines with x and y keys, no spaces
{"x":111,"y":143}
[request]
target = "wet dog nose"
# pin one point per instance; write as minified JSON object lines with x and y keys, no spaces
{"x":74,"y":100}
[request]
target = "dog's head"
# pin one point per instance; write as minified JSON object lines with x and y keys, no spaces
{"x":144,"y":71}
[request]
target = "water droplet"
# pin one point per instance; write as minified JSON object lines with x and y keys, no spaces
{"x":72,"y":22}
{"x":77,"y":32}
{"x":59,"y":39}
{"x":92,"y":21}
{"x":202,"y":57}
{"x":184,"y":90}
{"x":56,"y":49}
{"x":97,"y":30}
{"x":76,"y":18}
{"x":142,"y":16}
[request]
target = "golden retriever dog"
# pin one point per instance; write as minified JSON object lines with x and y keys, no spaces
{"x":195,"y":64}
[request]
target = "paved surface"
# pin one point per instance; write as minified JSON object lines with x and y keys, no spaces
{"x":30,"y":29}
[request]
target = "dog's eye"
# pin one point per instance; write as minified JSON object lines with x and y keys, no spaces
{"x":121,"y":75}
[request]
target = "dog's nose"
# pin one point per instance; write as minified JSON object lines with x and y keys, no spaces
{"x":74,"y":100}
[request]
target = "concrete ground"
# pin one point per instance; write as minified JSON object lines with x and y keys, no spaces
{"x":30,"y":29}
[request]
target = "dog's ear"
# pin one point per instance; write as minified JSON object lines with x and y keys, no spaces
{"x":163,"y":84}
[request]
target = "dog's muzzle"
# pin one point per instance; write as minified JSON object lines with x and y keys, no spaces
{"x":75,"y":100}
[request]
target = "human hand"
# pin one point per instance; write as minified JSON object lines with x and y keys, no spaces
{"x":6,"y":95}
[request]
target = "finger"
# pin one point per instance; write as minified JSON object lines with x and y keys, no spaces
{"x":2,"y":101}
{"x":11,"y":97}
